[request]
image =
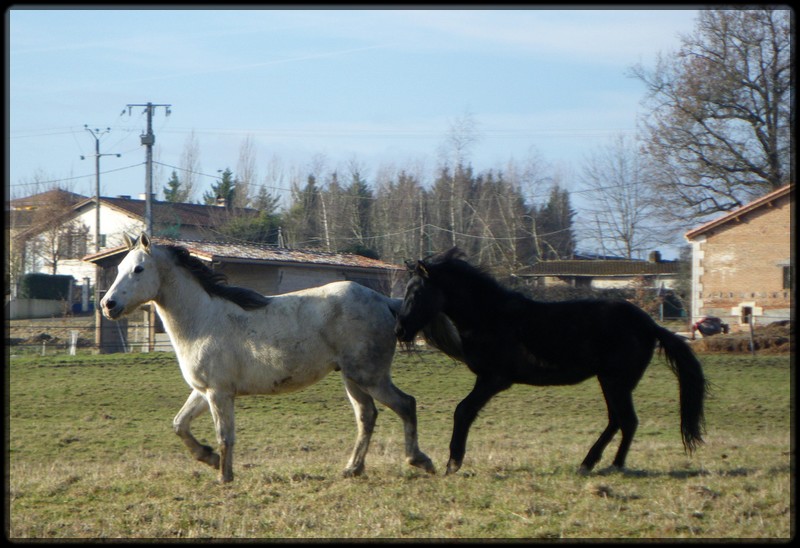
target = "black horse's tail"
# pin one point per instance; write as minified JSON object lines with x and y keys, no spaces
{"x":693,"y":386}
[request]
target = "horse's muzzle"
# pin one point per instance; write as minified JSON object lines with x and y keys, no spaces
{"x":111,"y":309}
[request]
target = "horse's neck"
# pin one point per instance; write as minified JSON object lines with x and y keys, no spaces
{"x":182,"y":303}
{"x":467,"y":304}
{"x":472,"y":305}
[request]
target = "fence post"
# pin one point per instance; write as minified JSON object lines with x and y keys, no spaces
{"x":73,"y":342}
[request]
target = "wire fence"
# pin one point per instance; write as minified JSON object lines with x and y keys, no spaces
{"x":76,"y":336}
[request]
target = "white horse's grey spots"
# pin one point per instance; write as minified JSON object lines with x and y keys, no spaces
{"x":233,"y":341}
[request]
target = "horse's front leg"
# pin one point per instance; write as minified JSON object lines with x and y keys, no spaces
{"x":195,"y":406}
{"x":222,"y":410}
{"x":466,"y":411}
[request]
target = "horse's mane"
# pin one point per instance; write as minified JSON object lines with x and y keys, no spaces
{"x":216,"y":283}
{"x":453,"y":262}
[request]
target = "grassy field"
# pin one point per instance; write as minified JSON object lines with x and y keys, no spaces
{"x":91,"y":454}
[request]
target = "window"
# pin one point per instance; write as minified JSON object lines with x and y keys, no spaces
{"x":72,"y":244}
{"x":747,"y":314}
{"x":787,"y":277}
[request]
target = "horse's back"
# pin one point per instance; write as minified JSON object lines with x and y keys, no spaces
{"x":589,"y":332}
{"x":344,"y":313}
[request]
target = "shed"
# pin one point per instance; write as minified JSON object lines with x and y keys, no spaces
{"x":604,"y":273}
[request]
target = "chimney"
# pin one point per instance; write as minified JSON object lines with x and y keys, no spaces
{"x":220,"y":201}
{"x":655,"y":256}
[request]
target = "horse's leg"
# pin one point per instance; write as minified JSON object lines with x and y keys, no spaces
{"x":466,"y":411}
{"x":621,"y":416}
{"x":405,"y":406}
{"x":195,"y":406}
{"x":222,"y":411}
{"x":594,"y":454}
{"x":364,"y":409}
{"x":625,"y":414}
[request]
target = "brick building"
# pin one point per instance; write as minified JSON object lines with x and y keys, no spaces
{"x":741,"y":263}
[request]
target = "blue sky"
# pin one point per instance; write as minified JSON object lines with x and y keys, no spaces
{"x":378,"y":86}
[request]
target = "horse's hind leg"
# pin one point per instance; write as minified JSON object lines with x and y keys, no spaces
{"x":594,"y":454}
{"x":364,"y":409}
{"x":621,"y":416}
{"x":195,"y":406}
{"x":406,"y":408}
{"x":628,"y":423}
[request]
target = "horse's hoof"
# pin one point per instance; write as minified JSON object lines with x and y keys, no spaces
{"x":423,"y":462}
{"x":452,"y":467}
{"x":209,"y":457}
{"x":353,"y":471}
{"x":584,"y":470}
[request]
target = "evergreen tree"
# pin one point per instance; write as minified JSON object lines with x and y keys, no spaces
{"x":174,"y":192}
{"x":303,"y":220}
{"x":554,"y":236}
{"x":266,"y":202}
{"x":224,"y":189}
{"x":259,"y":229}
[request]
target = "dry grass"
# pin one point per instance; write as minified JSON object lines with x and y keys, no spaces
{"x":92,"y":455}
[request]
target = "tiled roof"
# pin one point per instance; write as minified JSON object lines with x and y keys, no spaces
{"x":177,"y":213}
{"x":737,"y":213}
{"x":254,"y":253}
{"x":54,"y":195}
{"x":601,"y":268}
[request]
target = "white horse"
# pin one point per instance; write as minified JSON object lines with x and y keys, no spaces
{"x":232,"y":341}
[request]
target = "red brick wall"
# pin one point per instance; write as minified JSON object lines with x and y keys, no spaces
{"x":742,"y":262}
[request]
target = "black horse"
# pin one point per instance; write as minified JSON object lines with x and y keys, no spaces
{"x":506,"y":338}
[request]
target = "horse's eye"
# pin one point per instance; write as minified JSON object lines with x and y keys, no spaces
{"x":137,"y":269}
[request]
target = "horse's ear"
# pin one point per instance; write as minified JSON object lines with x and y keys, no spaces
{"x":421,"y":270}
{"x":144,"y":242}
{"x":127,"y":239}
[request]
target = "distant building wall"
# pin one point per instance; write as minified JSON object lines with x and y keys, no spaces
{"x":740,"y":267}
{"x":24,"y":309}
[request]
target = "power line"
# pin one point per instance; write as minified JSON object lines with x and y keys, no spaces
{"x":65,"y":179}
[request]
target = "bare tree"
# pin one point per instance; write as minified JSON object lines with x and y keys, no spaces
{"x":51,"y":236}
{"x":190,"y":168}
{"x":619,"y":215}
{"x":245,"y":173}
{"x":462,"y":135}
{"x":719,"y":122}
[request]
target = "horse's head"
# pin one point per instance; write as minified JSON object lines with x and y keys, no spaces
{"x":422,"y":302}
{"x":137,"y":280}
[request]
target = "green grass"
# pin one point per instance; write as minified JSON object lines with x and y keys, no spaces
{"x":91,"y":454}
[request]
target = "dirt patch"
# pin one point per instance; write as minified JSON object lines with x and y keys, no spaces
{"x":774,"y":338}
